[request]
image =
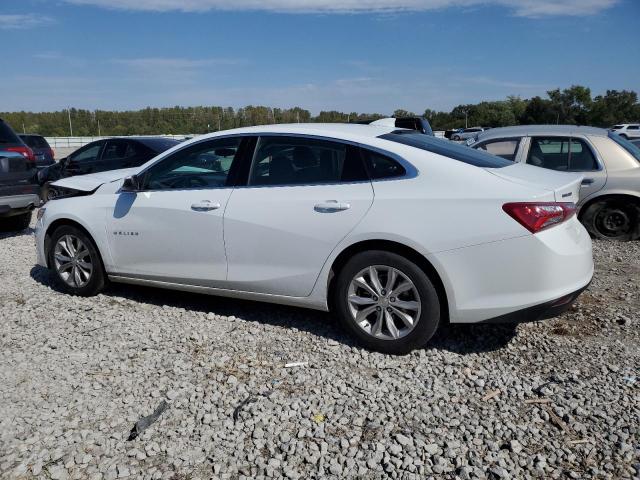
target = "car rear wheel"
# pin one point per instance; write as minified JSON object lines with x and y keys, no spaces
{"x":614,"y":219}
{"x":76,"y":262}
{"x":456,"y":138}
{"x":387,"y":302}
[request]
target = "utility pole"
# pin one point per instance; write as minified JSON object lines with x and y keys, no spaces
{"x":23,"y":130}
{"x":98,"y":120}
{"x":70,"y":126}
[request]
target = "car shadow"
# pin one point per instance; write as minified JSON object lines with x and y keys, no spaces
{"x":460,"y":339}
{"x":8,"y":233}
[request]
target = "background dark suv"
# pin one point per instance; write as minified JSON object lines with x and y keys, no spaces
{"x":10,"y":142}
{"x":42,"y":151}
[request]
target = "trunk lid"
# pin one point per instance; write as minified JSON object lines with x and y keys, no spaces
{"x":88,"y":183}
{"x":564,"y":185}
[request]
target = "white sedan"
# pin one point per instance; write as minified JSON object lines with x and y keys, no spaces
{"x":394,"y":231}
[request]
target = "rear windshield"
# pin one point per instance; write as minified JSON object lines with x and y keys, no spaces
{"x":34,"y":141}
{"x":446,"y":148}
{"x":158,"y":145}
{"x":7,"y":135}
{"x":626,"y":144}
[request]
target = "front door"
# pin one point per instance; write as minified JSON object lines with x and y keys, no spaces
{"x":171,"y":230}
{"x":303,"y":196}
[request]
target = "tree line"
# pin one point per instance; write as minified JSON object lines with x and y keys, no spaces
{"x":574,"y":105}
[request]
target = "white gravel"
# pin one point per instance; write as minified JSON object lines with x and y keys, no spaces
{"x":76,"y":374}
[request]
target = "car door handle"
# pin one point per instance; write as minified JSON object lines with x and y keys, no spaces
{"x":587,"y":181}
{"x":205,"y":206}
{"x":331,"y":206}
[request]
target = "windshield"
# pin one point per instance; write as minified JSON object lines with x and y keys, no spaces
{"x":626,"y":144}
{"x":447,"y":149}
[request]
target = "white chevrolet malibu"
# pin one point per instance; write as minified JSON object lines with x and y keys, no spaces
{"x":395,"y":231}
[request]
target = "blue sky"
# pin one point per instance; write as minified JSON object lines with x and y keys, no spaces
{"x":348,"y":55}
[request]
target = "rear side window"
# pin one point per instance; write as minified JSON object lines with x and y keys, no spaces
{"x":382,"y":166}
{"x":632,"y":147}
{"x":34,"y":141}
{"x":7,"y":135}
{"x":302,"y":161}
{"x":446,"y":148}
{"x":507,"y":148}
{"x":561,"y":153}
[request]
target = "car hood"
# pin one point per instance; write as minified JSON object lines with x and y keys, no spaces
{"x":565,"y":185}
{"x":88,"y":183}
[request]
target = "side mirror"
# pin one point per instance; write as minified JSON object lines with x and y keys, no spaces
{"x":130,"y":184}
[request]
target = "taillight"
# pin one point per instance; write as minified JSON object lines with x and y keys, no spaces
{"x":25,"y":152}
{"x":53,"y":155}
{"x":536,"y":216}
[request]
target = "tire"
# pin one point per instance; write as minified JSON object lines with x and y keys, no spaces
{"x":20,"y":222}
{"x":625,"y":136}
{"x":613,"y":219}
{"x":71,"y":243}
{"x":374,"y":329}
{"x":456,"y":138}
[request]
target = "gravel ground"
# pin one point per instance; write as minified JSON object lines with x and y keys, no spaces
{"x":556,"y":399}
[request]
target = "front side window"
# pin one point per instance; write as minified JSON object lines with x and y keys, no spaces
{"x":281,"y":160}
{"x":505,"y":148}
{"x":633,"y":127}
{"x":561,"y":153}
{"x":200,"y":166}
{"x":89,"y":154}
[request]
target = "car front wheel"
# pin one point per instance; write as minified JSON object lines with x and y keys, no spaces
{"x":387,"y":302}
{"x":76,"y":262}
{"x":614,"y":219}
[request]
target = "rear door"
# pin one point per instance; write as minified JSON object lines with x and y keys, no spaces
{"x":567,"y":154}
{"x":302,"y":197}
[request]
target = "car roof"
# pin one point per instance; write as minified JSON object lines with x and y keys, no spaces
{"x":525,"y":130}
{"x":344,"y":131}
{"x":29,"y":135}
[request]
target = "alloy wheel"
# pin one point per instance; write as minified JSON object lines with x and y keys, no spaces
{"x":73,"y":261}
{"x":384,"y":302}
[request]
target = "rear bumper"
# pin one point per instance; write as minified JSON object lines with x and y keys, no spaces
{"x":17,"y":204}
{"x":543,"y":311}
{"x":519,"y":279}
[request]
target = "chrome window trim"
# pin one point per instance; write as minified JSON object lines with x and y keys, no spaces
{"x":410,"y":170}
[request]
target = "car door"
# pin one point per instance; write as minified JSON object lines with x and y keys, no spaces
{"x":84,"y":160}
{"x":171,"y":229}
{"x":569,"y":154}
{"x":302,"y":197}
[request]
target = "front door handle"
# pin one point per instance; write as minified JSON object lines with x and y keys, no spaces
{"x":331,"y":206}
{"x":205,"y":206}
{"x":587,"y":181}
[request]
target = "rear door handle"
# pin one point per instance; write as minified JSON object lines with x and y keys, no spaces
{"x":331,"y":206}
{"x":587,"y":181}
{"x":205,"y":206}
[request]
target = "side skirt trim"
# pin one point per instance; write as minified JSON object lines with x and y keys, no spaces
{"x":305,"y":302}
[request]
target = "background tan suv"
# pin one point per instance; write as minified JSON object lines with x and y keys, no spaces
{"x":609,"y":205}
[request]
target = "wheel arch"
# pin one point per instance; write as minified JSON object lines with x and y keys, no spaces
{"x":621,"y":195}
{"x":61,"y":222}
{"x":394,"y":247}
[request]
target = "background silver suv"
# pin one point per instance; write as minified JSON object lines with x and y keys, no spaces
{"x":609,"y":205}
